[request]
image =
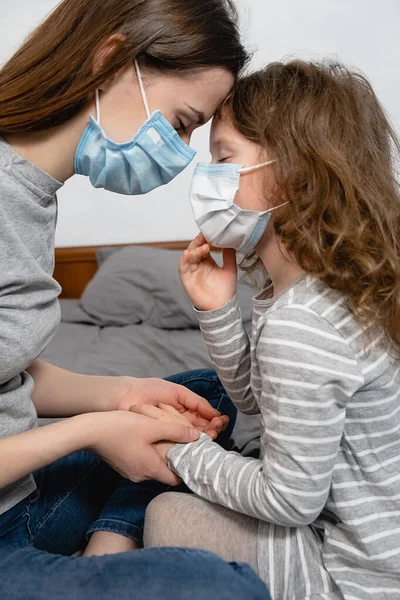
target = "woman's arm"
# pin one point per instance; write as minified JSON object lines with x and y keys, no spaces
{"x":229,"y":348}
{"x":123,"y":439}
{"x":60,"y":393}
{"x":305,"y":389}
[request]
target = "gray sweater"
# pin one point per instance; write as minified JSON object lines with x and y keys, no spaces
{"x":29,"y":308}
{"x":330,"y":437}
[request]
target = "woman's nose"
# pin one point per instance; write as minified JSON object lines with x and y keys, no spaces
{"x":185,"y":137}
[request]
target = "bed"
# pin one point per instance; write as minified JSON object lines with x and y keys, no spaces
{"x":124,"y":312}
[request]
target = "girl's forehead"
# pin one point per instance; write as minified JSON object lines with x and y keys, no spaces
{"x":223,"y":132}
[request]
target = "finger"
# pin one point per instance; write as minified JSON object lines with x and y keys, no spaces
{"x":212,"y":431}
{"x":229,"y":258}
{"x":199,"y":255}
{"x":199,"y":240}
{"x":216,"y":426}
{"x":170,"y":409}
{"x":194,"y":419}
{"x":174,"y":414}
{"x":162,"y":431}
{"x":218,"y":423}
{"x":181,"y":396}
{"x":184,"y":263}
{"x":195,"y":403}
{"x":226,"y":420}
{"x":198,"y":422}
{"x":148,"y":410}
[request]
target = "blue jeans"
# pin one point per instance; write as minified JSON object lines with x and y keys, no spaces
{"x":80,"y":494}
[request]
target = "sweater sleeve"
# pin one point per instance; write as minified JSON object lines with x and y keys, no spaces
{"x":229,"y":349}
{"x":308,"y":372}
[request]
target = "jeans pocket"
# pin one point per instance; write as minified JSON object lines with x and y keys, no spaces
{"x":14,"y":523}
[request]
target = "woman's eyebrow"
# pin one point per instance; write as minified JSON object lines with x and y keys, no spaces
{"x":201,"y":118}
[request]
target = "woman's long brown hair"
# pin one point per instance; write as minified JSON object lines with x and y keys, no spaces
{"x":51,"y":76}
{"x":337,"y":153}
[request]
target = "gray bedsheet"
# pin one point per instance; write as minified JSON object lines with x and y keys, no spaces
{"x":136,"y":350}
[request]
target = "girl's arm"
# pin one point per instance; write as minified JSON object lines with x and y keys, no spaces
{"x":212,"y":289}
{"x":308,"y":373}
{"x":229,"y":348}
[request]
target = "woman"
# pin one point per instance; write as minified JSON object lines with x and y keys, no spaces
{"x":127,"y":59}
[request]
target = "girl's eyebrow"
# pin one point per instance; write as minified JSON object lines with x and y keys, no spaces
{"x":219,"y":143}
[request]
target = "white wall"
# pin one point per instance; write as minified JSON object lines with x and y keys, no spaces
{"x":359,"y":32}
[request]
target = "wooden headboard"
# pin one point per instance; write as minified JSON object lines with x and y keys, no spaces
{"x":75,"y":267}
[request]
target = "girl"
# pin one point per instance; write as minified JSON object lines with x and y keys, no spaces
{"x":302,"y":175}
{"x":157,"y":69}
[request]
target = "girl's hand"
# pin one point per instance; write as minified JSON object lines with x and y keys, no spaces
{"x":168,"y":414}
{"x":208,"y":286}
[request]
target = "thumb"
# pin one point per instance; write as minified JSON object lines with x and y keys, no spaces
{"x":229,"y":258}
{"x":174,"y":432}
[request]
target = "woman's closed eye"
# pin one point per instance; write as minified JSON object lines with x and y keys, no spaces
{"x":181,"y":127}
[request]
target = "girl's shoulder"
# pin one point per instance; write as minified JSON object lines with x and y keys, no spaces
{"x":311,"y":302}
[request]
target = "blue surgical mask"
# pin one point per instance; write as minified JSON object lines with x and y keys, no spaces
{"x":222,"y":222}
{"x":151,"y":159}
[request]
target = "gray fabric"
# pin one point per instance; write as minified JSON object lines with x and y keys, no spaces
{"x":188,"y":521}
{"x":103,"y":253}
{"x":141,"y":285}
{"x":28,"y":293}
{"x":137,"y":350}
{"x":183,"y":520}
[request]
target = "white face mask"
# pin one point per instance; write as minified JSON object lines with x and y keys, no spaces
{"x":221,"y":221}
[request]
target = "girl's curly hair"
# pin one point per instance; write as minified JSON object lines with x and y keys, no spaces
{"x":336,"y":167}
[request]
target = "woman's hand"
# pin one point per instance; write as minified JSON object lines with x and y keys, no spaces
{"x":152,"y":392}
{"x":168,"y":414}
{"x":127,"y":441}
{"x":208,"y":286}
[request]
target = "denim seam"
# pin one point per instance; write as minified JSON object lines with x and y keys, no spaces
{"x":211,"y":379}
{"x":55,"y":506}
{"x":220,"y":402}
{"x":123,"y":528}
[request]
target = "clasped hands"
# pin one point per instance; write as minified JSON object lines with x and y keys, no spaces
{"x":166,"y":405}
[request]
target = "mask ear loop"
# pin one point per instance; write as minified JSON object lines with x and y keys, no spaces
{"x":260,"y":166}
{"x":279,"y":206}
{"x":142,"y":90}
{"x":98,"y":106}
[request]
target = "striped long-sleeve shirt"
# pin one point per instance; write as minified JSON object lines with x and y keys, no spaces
{"x":330,"y":432}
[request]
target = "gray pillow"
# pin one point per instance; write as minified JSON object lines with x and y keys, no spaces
{"x":141,"y":285}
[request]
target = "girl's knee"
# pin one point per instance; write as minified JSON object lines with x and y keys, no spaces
{"x":161,"y":519}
